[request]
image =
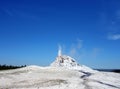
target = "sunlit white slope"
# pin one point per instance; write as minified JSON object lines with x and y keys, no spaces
{"x":35,"y":77}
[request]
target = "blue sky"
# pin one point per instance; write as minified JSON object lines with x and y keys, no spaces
{"x":88,"y":30}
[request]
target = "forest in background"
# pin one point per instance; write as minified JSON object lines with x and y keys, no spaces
{"x":7,"y":67}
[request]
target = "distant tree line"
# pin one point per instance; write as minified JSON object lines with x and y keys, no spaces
{"x":109,"y":70}
{"x":6,"y":67}
{"x":116,"y":70}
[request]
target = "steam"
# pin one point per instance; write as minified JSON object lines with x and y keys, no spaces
{"x":59,"y":50}
{"x":75,"y":49}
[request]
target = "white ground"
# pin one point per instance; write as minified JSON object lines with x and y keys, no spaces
{"x":35,"y":77}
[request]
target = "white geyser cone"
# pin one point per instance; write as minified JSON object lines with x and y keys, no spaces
{"x":68,"y":62}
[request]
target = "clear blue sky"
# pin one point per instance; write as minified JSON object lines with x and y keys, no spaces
{"x":88,"y":30}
